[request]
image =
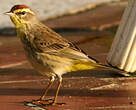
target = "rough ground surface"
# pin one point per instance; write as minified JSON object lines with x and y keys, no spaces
{"x":99,"y":89}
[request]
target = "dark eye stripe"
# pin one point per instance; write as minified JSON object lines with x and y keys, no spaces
{"x":21,"y":13}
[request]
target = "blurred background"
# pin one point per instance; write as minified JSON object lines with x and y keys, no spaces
{"x":45,"y":8}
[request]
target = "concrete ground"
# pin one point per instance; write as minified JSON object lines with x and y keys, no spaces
{"x":101,"y":89}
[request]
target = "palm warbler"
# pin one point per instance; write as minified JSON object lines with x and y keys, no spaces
{"x":48,"y":52}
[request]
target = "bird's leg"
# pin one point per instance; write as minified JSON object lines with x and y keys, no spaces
{"x":42,"y":98}
{"x":57,"y":91}
{"x":47,"y":88}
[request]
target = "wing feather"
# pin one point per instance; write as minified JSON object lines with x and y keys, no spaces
{"x":52,"y":43}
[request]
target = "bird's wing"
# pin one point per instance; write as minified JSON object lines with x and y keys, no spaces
{"x":49,"y":41}
{"x":52,"y":43}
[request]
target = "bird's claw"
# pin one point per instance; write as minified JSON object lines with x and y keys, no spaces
{"x":49,"y":101}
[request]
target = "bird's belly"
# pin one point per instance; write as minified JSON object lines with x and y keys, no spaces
{"x":48,"y":64}
{"x":38,"y":64}
{"x":43,"y":69}
{"x":58,"y":64}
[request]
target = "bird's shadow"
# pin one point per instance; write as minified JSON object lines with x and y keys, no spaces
{"x":98,"y":73}
{"x":66,"y":92}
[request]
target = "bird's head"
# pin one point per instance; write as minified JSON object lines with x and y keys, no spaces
{"x":20,"y":14}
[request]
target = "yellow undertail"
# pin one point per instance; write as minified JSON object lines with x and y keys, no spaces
{"x":85,"y":65}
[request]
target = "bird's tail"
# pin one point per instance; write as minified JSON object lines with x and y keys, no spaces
{"x":88,"y":65}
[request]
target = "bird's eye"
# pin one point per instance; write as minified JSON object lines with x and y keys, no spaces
{"x":23,"y":13}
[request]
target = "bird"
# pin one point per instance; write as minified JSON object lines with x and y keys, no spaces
{"x":48,"y":52}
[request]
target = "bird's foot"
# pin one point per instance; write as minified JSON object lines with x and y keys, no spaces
{"x":54,"y":103}
{"x":43,"y":102}
{"x":47,"y":102}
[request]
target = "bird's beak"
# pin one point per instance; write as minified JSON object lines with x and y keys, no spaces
{"x":9,"y":13}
